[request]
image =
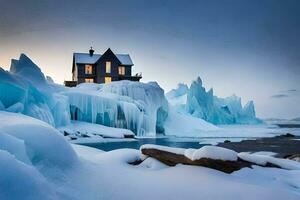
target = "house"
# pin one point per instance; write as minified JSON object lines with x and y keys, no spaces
{"x":97,"y":68}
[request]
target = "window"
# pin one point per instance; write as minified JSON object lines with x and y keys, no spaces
{"x":107,"y":79}
{"x":89,"y":80}
{"x":121,"y":70}
{"x":108,"y":67}
{"x":88,"y":69}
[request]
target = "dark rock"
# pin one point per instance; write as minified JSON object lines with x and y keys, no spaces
{"x":128,"y":136}
{"x":295,"y":157}
{"x":136,"y":162}
{"x":66,"y":133}
{"x":288,"y":135}
{"x":84,"y":135}
{"x":172,"y":159}
{"x":227,"y":141}
{"x":73,"y":138}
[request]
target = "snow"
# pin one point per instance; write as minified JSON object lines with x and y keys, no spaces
{"x":15,"y":146}
{"x":185,"y":125}
{"x":153,"y":164}
{"x":36,"y":162}
{"x":87,"y":59}
{"x":278,"y":179}
{"x":124,"y":59}
{"x":263,"y":160}
{"x":95,"y":129}
{"x":21,"y":181}
{"x":213,"y":152}
{"x":44,"y":144}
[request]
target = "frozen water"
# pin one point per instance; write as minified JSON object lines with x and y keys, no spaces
{"x":140,"y":107}
{"x":24,"y":89}
{"x":200,"y":103}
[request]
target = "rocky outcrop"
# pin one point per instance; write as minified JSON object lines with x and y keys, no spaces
{"x":173,"y":159}
{"x":214,"y":158}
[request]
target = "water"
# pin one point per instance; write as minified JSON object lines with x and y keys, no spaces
{"x":180,"y":142}
{"x":228,"y":132}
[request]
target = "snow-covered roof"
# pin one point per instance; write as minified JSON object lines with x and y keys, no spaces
{"x":124,"y":59}
{"x":87,"y":59}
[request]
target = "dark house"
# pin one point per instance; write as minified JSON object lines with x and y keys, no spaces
{"x":97,"y":68}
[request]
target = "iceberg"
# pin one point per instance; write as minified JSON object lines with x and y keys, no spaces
{"x":25,"y":90}
{"x":198,"y":102}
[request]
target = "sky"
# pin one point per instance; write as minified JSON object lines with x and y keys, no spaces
{"x":250,"y":48}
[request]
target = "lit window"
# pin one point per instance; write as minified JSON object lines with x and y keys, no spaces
{"x":89,"y":80}
{"x":108,"y":67}
{"x":88,"y":69}
{"x":107,"y":79}
{"x":121,"y":70}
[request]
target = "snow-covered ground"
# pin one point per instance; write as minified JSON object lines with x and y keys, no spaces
{"x":36,"y":162}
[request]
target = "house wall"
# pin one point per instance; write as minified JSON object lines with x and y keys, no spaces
{"x":99,"y":70}
{"x":115,"y":63}
{"x":81,"y":73}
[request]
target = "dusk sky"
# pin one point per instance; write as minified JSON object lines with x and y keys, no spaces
{"x":250,"y":48}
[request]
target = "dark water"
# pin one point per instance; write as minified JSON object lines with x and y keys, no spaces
{"x":171,"y":142}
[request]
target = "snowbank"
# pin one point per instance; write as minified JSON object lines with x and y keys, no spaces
{"x":213,"y":152}
{"x":43,"y":144}
{"x":186,"y":125}
{"x":263,"y":160}
{"x":89,"y":129}
{"x":37,"y":163}
{"x":31,"y":151}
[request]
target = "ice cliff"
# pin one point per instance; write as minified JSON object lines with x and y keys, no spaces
{"x":140,"y":107}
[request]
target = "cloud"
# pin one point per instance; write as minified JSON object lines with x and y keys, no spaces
{"x":289,"y":91}
{"x":285,"y":93}
{"x":278,"y":96}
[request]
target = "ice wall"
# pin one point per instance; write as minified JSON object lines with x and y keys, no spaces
{"x":140,"y":107}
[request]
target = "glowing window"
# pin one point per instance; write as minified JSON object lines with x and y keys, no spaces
{"x":107,"y":79}
{"x":121,"y":70}
{"x":108,"y":67}
{"x":88,"y":69}
{"x":89,"y":80}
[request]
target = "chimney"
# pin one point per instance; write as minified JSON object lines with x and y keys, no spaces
{"x":91,"y":51}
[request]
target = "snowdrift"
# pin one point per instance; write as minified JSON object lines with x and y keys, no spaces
{"x":30,"y":151}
